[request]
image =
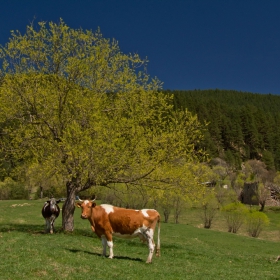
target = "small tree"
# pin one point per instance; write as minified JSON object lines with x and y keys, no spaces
{"x":235,"y":214}
{"x":256,"y":221}
{"x":263,"y":195}
{"x":276,"y":179}
{"x":209,"y":208}
{"x":130,"y":196}
{"x":166,"y":204}
{"x":179,"y":204}
{"x":225,"y":195}
{"x":182,"y":184}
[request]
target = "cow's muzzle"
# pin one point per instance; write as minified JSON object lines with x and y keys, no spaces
{"x":83,"y":216}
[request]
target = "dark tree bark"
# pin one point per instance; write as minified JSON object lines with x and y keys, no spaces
{"x":262,"y":203}
{"x":68,"y":208}
{"x":166,"y":213}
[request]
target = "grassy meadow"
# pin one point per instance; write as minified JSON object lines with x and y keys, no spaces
{"x":188,"y":251}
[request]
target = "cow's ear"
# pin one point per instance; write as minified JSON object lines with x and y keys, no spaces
{"x":78,"y":204}
{"x":93,"y":205}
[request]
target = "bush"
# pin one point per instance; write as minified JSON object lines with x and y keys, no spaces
{"x":235,"y":214}
{"x":10,"y":189}
{"x":225,"y":196}
{"x":209,"y":207}
{"x":53,"y":191}
{"x":256,"y":221}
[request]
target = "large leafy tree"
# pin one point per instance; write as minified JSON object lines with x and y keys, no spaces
{"x":73,"y":105}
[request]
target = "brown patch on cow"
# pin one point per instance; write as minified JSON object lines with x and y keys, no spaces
{"x":106,"y":220}
{"x":126,"y":221}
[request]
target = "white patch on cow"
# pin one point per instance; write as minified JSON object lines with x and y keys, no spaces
{"x":108,"y":208}
{"x":110,"y":245}
{"x":45,"y":205}
{"x":140,"y":232}
{"x":86,"y":202}
{"x":144,"y":212}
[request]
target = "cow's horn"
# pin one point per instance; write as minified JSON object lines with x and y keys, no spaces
{"x":93,"y":199}
{"x":81,"y":200}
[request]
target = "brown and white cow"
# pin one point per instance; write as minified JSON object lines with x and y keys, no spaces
{"x":108,"y":221}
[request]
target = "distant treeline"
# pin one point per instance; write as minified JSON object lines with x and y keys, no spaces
{"x":241,"y":125}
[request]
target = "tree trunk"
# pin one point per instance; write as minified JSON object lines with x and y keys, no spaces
{"x":262,"y":203}
{"x":166,"y":215}
{"x":68,"y":208}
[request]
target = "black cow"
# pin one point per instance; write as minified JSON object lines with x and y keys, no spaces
{"x":50,"y":212}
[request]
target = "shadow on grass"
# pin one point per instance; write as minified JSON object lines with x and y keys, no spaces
{"x":100,"y":255}
{"x":27,"y":228}
{"x":40,"y":229}
{"x":84,"y":232}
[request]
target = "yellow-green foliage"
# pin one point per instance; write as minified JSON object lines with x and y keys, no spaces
{"x":277,"y":178}
{"x":235,"y":214}
{"x":208,"y":204}
{"x":9,"y":189}
{"x":255,"y":222}
{"x":73,"y":105}
{"x":80,"y":107}
{"x":225,"y":195}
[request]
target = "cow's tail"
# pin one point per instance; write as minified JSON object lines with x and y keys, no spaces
{"x":158,"y":238}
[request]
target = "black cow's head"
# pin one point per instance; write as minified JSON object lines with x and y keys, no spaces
{"x":53,"y":202}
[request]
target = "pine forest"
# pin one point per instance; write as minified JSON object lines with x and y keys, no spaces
{"x":239,"y":126}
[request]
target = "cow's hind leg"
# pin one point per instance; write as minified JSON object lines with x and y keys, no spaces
{"x":47,"y":227}
{"x":150,"y":237}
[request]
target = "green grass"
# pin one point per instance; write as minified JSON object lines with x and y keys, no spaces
{"x":187,"y":252}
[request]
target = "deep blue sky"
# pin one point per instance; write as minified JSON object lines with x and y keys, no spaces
{"x":191,"y":44}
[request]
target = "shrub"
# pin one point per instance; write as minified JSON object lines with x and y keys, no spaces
{"x":10,"y":189}
{"x":53,"y":191}
{"x":256,"y":221}
{"x":235,"y":214}
{"x":209,"y":206}
{"x":225,"y":196}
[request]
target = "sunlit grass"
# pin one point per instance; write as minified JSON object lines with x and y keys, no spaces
{"x":187,"y":252}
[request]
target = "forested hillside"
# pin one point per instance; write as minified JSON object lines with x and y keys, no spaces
{"x":241,"y":125}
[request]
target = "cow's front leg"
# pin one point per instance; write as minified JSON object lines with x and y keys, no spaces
{"x":110,"y":245}
{"x":104,"y":245}
{"x":51,"y":228}
{"x":109,"y":239}
{"x":48,"y":225}
{"x":47,"y":228}
{"x":52,"y":219}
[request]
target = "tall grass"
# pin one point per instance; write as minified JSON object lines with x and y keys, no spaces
{"x":187,"y":252}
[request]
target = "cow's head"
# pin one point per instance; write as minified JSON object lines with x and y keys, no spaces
{"x":53,"y":202}
{"x":86,"y":207}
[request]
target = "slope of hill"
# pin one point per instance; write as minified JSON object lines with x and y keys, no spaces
{"x":242,"y":125}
